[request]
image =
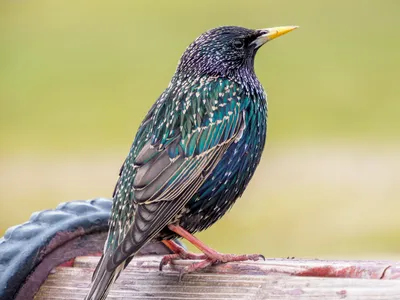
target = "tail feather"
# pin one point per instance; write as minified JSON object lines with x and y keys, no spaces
{"x":103,"y":279}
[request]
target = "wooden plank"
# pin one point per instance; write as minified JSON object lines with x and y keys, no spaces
{"x":297,"y":267}
{"x":272,"y":279}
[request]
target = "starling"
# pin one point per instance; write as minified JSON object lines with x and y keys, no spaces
{"x":193,"y":155}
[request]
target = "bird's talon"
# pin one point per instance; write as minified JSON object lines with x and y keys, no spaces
{"x":162,"y":264}
{"x":181,"y":273}
{"x":167,"y":259}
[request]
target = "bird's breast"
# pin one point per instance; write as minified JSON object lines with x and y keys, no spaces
{"x":232,"y":174}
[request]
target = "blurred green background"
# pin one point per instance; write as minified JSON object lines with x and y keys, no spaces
{"x":77,"y":77}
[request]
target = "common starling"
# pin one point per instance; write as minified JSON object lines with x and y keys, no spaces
{"x":193,"y":155}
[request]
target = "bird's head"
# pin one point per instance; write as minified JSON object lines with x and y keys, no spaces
{"x":227,"y":50}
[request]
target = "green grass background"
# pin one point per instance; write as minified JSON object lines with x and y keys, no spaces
{"x":77,"y":77}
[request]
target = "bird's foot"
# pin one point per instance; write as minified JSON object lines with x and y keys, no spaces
{"x":179,"y":253}
{"x":216,"y":259}
{"x":210,"y":256}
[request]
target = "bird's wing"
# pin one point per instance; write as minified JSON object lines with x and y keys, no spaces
{"x":168,"y":174}
{"x":164,"y":185}
{"x":181,"y":140}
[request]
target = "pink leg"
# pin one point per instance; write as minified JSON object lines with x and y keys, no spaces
{"x":210,"y":255}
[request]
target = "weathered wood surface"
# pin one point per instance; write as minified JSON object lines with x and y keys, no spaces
{"x":271,"y":279}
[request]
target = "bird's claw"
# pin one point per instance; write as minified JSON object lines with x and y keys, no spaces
{"x":208,"y":261}
{"x":181,"y":273}
{"x":167,"y":259}
{"x":170,"y":258}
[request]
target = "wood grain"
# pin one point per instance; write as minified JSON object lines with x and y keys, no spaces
{"x":271,"y":279}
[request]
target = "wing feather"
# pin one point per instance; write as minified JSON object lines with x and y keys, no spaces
{"x":166,"y":195}
{"x":182,"y":139}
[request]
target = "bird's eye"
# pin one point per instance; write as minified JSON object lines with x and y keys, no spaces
{"x":238,"y":43}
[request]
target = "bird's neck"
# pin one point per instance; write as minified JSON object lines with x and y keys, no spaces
{"x":245,"y":77}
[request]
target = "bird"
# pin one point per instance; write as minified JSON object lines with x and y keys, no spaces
{"x":193,"y":154}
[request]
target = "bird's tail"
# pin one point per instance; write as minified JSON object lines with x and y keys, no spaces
{"x":103,"y":279}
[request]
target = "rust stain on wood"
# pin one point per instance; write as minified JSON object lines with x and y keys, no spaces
{"x":329,"y":271}
{"x":68,"y":263}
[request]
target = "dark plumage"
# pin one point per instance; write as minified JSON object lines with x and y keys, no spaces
{"x":194,"y":152}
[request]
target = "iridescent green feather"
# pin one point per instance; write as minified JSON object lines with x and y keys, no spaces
{"x":206,"y":116}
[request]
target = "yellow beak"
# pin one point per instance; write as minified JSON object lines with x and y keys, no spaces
{"x":272,"y":33}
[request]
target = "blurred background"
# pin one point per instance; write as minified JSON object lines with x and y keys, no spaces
{"x":77,"y":77}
